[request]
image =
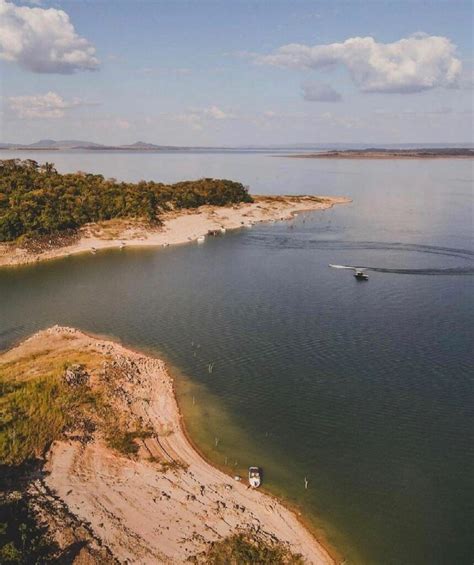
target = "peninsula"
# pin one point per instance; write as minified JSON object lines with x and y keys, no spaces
{"x":47,"y":215}
{"x":94,"y":435}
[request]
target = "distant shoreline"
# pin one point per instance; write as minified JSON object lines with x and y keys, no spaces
{"x":185,"y":226}
{"x":297,"y":150}
{"x":461,"y":153}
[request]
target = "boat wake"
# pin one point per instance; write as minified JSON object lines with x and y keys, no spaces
{"x":428,"y":271}
{"x":353,"y":267}
{"x":466,"y":255}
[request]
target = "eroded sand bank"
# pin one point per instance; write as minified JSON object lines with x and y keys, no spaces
{"x":178,"y":227}
{"x":136,"y":511}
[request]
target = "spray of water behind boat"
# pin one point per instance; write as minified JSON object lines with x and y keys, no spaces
{"x":359,"y":272}
{"x":468,"y":270}
{"x":298,"y":241}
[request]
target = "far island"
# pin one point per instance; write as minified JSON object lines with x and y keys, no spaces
{"x":377,"y":153}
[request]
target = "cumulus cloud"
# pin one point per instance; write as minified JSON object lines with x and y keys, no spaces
{"x":419,"y":62}
{"x":319,"y":92}
{"x":43,"y":40}
{"x":49,"y":105}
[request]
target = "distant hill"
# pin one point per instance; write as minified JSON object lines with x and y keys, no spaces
{"x":142,"y":146}
{"x":68,"y":144}
{"x":44,"y":143}
{"x":51,"y":144}
{"x":137,"y":146}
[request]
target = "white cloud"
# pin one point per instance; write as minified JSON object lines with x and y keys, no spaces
{"x":191,"y":119}
{"x":49,"y":105}
{"x":196,"y":117}
{"x":121,"y":123}
{"x":43,"y":40}
{"x":216,"y":113}
{"x":419,"y":62}
{"x":319,"y":92}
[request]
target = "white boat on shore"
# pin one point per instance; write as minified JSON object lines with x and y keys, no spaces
{"x":201,"y":239}
{"x":255,"y":477}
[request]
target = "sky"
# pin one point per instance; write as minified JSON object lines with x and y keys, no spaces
{"x":237,"y":72}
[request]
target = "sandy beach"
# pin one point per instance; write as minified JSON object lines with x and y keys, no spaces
{"x":132,"y":509}
{"x":180,"y":227}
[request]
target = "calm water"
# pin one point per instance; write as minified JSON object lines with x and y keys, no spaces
{"x":363,"y":388}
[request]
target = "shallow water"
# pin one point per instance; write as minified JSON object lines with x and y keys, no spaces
{"x":364,"y":388}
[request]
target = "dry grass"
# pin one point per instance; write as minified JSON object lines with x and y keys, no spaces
{"x":247,"y":548}
{"x":47,"y":362}
{"x":36,"y":412}
{"x":37,"y":407}
{"x":288,"y":199}
{"x":110,"y":230}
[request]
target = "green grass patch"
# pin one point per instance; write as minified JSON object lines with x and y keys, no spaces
{"x":37,"y":406}
{"x":34,"y":413}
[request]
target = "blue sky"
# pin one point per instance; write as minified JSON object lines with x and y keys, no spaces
{"x":208,"y":73}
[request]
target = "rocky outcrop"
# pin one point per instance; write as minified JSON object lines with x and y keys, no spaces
{"x":76,"y":375}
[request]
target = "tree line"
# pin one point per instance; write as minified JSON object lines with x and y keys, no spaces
{"x":36,"y":200}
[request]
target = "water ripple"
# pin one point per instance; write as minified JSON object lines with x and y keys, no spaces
{"x":285,"y":242}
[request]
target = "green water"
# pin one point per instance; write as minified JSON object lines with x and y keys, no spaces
{"x":365,"y":389}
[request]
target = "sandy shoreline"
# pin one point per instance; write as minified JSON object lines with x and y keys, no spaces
{"x":133,"y":509}
{"x":178,"y":228}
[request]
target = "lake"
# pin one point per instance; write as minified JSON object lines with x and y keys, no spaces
{"x":363,"y":388}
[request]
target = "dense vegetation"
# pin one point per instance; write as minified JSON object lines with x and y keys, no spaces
{"x":36,"y":200}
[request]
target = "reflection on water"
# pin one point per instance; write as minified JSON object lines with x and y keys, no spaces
{"x":365,"y":389}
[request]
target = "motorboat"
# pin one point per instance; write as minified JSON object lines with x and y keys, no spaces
{"x":359,"y":272}
{"x":201,"y":239}
{"x":361,"y":275}
{"x":255,"y":477}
